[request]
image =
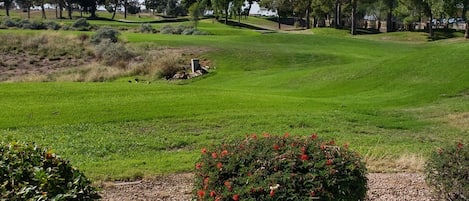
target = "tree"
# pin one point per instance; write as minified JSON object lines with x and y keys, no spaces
{"x":452,"y":7}
{"x":7,"y":4}
{"x":194,"y":13}
{"x":157,"y":6}
{"x":282,"y":7}
{"x":25,"y":5}
{"x":391,"y":4}
{"x":222,"y":6}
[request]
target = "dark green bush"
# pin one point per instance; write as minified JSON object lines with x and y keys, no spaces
{"x":146,"y":28}
{"x":33,"y":25}
{"x":29,"y":172}
{"x":80,"y":23}
{"x":51,"y":25}
{"x":280,"y":168}
{"x":447,"y":172}
{"x":105,"y":33}
{"x":10,"y":22}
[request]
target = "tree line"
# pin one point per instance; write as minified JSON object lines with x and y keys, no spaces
{"x":313,"y":13}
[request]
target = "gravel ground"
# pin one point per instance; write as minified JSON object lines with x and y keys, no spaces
{"x":382,"y":186}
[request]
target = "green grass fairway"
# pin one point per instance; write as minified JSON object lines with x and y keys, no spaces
{"x":386,"y":99}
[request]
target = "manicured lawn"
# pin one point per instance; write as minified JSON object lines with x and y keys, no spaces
{"x":385,"y":99}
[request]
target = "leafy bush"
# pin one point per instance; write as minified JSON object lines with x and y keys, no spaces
{"x":447,"y":171}
{"x":80,"y":23}
{"x":146,"y":28}
{"x":113,"y":53}
{"x":29,"y":172}
{"x":280,"y":168}
{"x":188,"y":31}
{"x":34,"y":25}
{"x":166,"y":30}
{"x":105,"y":33}
{"x":10,"y":22}
{"x":52,"y":25}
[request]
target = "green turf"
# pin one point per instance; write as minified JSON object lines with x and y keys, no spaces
{"x":390,"y":98}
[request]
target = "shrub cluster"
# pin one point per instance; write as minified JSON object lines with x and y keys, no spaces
{"x":181,"y":30}
{"x":30,"y":24}
{"x":29,"y":172}
{"x":146,"y":28}
{"x":280,"y":168}
{"x":447,"y":172}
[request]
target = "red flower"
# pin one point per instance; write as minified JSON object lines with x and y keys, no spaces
{"x":219,"y":165}
{"x":286,"y":135}
{"x":198,"y":166}
{"x":304,"y":157}
{"x":303,"y":150}
{"x":206,"y":180}
{"x":212,"y":194}
{"x":329,"y":162}
{"x":346,"y":145}
{"x":276,"y":147}
{"x":460,"y":145}
{"x":266,"y":135}
{"x":201,"y":193}
{"x":236,"y":197}
{"x":323,"y":147}
{"x":224,"y":153}
{"x":313,"y":193}
{"x":254,"y":136}
{"x":272,"y":193}
{"x":227,"y":183}
{"x":204,"y":150}
{"x":332,"y":142}
{"x":217,"y":199}
{"x":314,"y":136}
{"x":214,"y":155}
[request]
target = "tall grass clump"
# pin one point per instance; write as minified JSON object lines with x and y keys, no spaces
{"x":30,"y":172}
{"x":447,"y":172}
{"x":280,"y":168}
{"x":110,"y":53}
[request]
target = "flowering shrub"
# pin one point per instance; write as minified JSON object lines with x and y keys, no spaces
{"x":280,"y":168}
{"x":28,"y":172}
{"x":447,"y":171}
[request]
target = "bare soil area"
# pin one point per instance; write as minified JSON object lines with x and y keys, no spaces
{"x":15,"y":66}
{"x":178,"y":187}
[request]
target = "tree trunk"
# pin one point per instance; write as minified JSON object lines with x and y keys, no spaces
{"x":466,"y":35}
{"x":278,"y":20}
{"x":29,"y":12}
{"x":389,"y":25}
{"x":337,"y":14}
{"x":354,"y":20}
{"x":70,"y":10}
{"x":7,"y":7}
{"x":308,"y":13}
{"x":226,"y":14}
{"x":93,"y":12}
{"x":125,"y":9}
{"x":430,"y":26}
{"x":43,"y":10}
{"x":60,"y":10}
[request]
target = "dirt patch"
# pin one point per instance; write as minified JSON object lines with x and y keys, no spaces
{"x":459,"y":120}
{"x":178,"y":187}
{"x":15,"y":67}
